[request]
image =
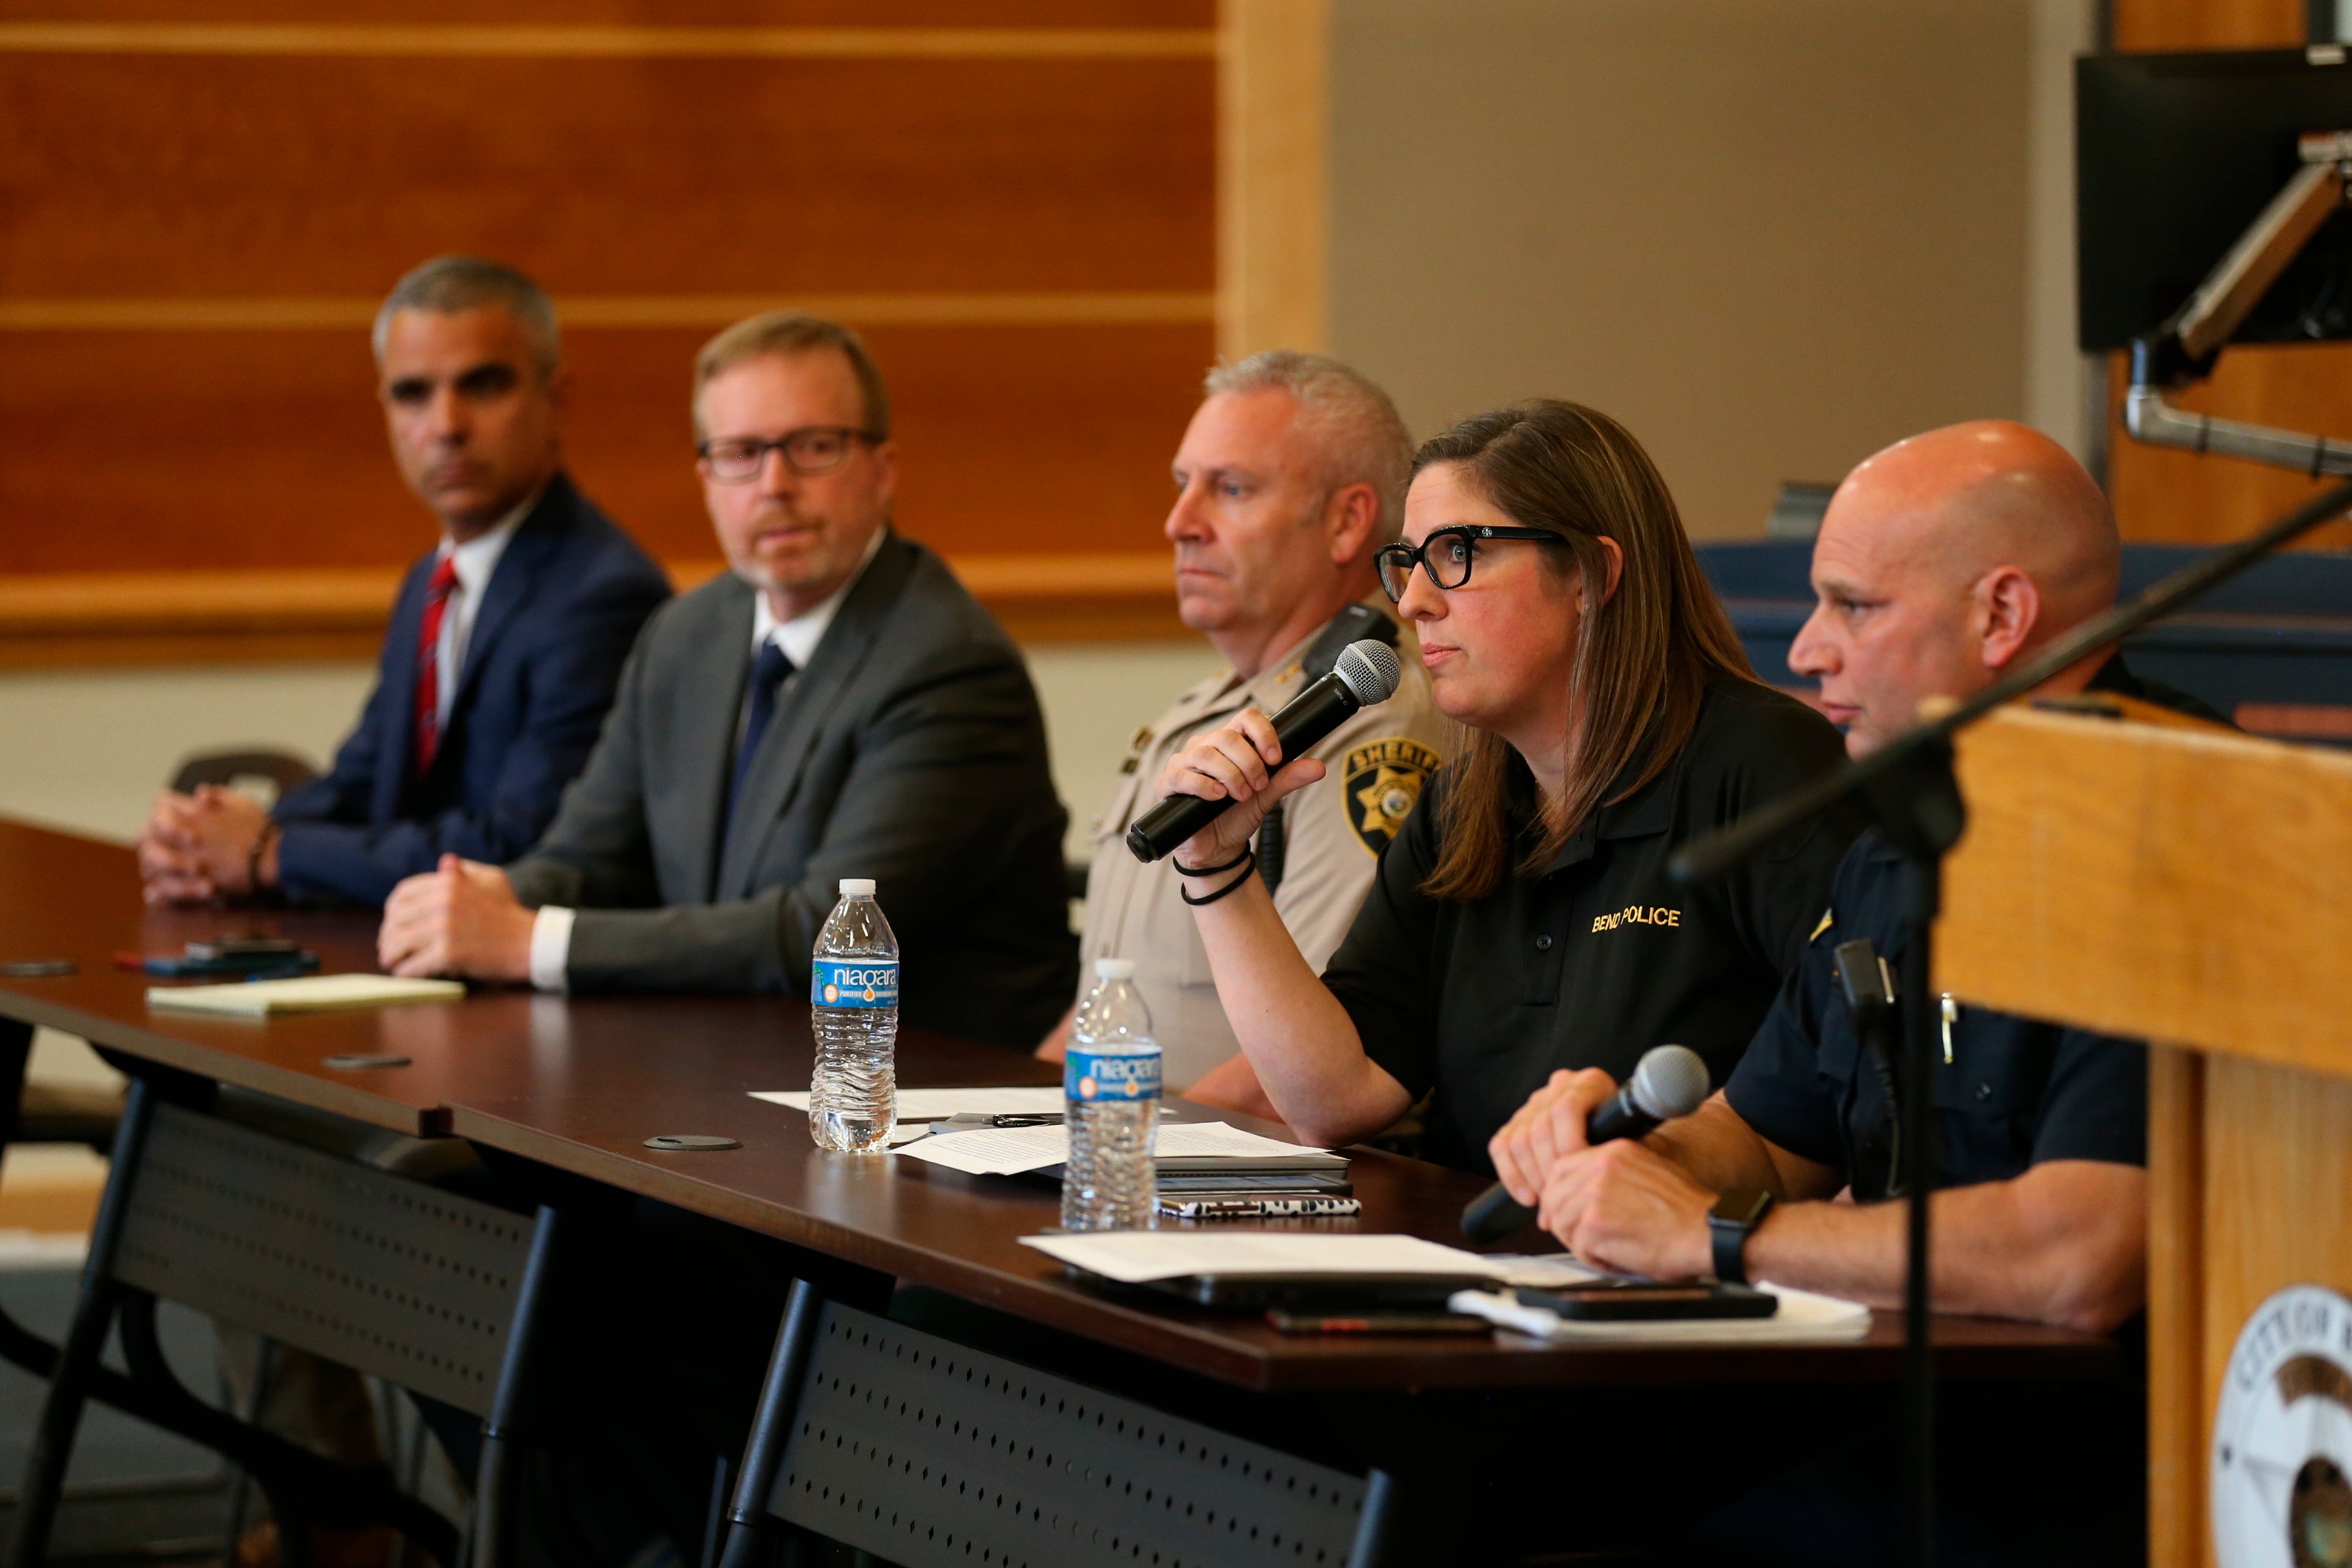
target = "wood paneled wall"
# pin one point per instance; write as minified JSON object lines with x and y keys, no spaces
{"x":2180,"y":497}
{"x":1018,"y":201}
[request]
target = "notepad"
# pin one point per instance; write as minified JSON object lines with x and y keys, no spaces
{"x":1009,"y":1150}
{"x":309,"y":994}
{"x":1802,"y":1315}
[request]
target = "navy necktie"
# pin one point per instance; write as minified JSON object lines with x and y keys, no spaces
{"x":768,"y":672}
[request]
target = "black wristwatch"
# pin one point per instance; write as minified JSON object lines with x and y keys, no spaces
{"x":1734,"y":1216}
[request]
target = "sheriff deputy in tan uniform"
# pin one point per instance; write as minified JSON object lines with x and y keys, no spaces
{"x":1290,"y":476}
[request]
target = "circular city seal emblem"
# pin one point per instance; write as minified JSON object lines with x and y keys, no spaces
{"x":2282,"y":1490}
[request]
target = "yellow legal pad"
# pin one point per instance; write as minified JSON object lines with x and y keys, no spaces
{"x":309,"y":994}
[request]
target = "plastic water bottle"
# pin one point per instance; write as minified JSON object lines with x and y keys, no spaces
{"x":1110,"y":1087}
{"x":854,"y":1005}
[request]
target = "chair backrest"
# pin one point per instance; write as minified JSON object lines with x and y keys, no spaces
{"x":2272,"y":650}
{"x":925,"y":1452}
{"x":378,"y":1271}
{"x":284,"y":770}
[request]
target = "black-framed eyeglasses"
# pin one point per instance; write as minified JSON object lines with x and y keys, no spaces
{"x":810,"y":450}
{"x":1447,"y":554}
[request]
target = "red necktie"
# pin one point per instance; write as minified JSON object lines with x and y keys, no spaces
{"x":428,"y":662}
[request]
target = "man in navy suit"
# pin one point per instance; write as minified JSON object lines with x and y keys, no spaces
{"x":506,"y":642}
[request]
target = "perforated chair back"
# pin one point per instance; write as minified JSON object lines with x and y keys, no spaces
{"x":925,"y":1453}
{"x":377,"y":1271}
{"x":284,"y":770}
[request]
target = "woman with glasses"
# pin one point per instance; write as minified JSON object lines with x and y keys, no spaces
{"x":1522,"y":923}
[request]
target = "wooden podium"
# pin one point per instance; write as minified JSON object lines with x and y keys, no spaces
{"x":2192,"y":888}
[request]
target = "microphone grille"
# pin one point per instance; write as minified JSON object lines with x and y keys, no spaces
{"x":1369,"y":669}
{"x":1670,"y":1081}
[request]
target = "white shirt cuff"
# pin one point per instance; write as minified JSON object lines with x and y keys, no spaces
{"x":550,"y":949}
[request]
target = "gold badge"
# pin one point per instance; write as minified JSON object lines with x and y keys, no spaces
{"x":1380,"y":784}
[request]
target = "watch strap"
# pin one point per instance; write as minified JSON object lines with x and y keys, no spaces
{"x":1730,"y":1240}
{"x":1733,"y":1219}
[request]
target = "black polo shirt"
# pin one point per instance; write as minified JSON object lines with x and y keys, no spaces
{"x":2011,"y":1092}
{"x":1603,"y":955}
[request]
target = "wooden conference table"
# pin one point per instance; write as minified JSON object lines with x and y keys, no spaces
{"x":579,"y":1084}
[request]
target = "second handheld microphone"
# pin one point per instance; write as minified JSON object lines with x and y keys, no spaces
{"x":1669,"y":1081}
{"x":1367,"y":672}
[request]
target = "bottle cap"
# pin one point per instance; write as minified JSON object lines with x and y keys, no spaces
{"x":1114,"y":968}
{"x":857,"y":887}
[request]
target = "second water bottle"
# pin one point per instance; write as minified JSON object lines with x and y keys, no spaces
{"x":1110,"y":1087}
{"x":854,"y":1007}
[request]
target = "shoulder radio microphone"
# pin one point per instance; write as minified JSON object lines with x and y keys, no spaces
{"x":1669,"y":1081}
{"x":1366,"y":672}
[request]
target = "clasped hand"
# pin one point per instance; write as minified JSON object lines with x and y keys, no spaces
{"x":460,"y":917}
{"x":1618,"y":1204}
{"x":1240,"y":763}
{"x":198,"y":847}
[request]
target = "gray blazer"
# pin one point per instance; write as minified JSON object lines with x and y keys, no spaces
{"x":910,"y":749}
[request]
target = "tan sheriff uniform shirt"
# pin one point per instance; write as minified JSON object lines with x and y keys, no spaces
{"x":1333,"y":833}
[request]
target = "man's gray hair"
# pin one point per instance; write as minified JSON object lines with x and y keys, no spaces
{"x":452,"y":283}
{"x":1363,"y":439}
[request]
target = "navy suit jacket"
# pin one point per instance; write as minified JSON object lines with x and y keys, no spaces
{"x":555,"y":624}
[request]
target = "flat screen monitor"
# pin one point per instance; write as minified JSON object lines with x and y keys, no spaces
{"x":2174,"y":156}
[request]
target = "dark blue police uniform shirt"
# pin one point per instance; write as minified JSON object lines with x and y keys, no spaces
{"x":2014,"y":1093}
{"x":1600,"y":955}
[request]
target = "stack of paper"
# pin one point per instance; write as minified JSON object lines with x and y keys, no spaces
{"x":1008,"y":1150}
{"x":310,"y":993}
{"x":939,"y":1104}
{"x":1802,"y":1316}
{"x":1140,"y":1256}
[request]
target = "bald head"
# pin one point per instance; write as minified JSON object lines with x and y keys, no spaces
{"x":1942,"y":561}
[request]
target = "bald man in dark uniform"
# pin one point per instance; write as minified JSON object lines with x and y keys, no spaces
{"x":1942,"y":562}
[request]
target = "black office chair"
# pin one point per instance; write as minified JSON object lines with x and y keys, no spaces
{"x":425,"y":1288}
{"x":286,"y":771}
{"x":915,"y":1449}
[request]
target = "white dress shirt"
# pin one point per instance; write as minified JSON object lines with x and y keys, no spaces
{"x":475,"y":559}
{"x":551,"y":930}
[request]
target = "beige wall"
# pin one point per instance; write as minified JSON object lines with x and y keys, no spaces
{"x":1770,"y":236}
{"x":87,"y":749}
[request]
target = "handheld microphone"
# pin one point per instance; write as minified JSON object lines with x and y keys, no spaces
{"x":1367,"y":672}
{"x":1669,"y":1081}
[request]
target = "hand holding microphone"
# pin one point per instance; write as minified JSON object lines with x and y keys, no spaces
{"x":1236,"y":761}
{"x":1670,"y":1081}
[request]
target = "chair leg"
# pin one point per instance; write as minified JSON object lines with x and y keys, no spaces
{"x":53,"y":1439}
{"x":499,"y":1480}
{"x":763,"y":1456}
{"x":16,"y":1050}
{"x":241,"y":1498}
{"x":1376,"y":1526}
{"x":717,"y":1517}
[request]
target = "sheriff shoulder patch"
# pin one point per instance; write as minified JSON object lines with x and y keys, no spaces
{"x":1381,"y":781}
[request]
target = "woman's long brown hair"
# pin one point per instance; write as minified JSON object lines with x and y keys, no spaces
{"x":1642,"y":658}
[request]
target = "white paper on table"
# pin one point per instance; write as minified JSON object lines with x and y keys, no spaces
{"x":1009,"y":1150}
{"x":1137,"y":1257}
{"x":1803,"y":1315}
{"x":939,"y":1104}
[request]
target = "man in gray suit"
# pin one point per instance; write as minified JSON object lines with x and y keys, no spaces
{"x":838,"y":706}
